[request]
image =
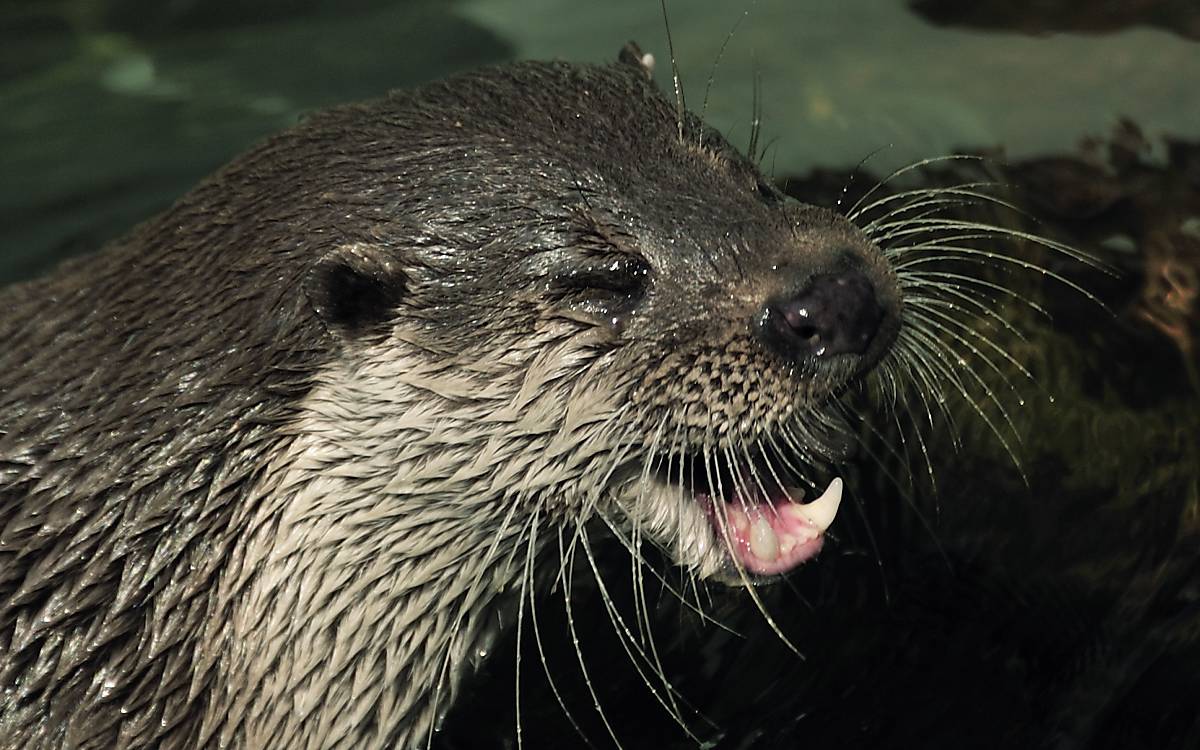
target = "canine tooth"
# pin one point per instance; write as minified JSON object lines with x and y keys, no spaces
{"x":763,"y":542}
{"x":820,"y":512}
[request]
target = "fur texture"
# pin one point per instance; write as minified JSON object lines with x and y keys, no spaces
{"x":269,"y":464}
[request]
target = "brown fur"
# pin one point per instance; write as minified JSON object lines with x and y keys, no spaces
{"x":268,"y":463}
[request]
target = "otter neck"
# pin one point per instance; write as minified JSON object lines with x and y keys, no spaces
{"x":357,"y":600}
{"x":407,"y":506}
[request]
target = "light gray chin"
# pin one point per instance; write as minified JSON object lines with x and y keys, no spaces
{"x":668,"y":516}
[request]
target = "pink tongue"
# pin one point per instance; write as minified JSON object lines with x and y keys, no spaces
{"x":767,"y":537}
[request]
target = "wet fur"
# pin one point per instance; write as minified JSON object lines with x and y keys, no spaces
{"x":269,"y":463}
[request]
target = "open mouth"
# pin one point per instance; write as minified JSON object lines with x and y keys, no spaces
{"x":772,"y":531}
{"x":755,"y":512}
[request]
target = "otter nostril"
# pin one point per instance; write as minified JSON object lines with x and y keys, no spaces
{"x":835,"y":313}
{"x":809,"y":335}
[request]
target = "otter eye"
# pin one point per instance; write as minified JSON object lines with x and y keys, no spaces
{"x":602,"y":282}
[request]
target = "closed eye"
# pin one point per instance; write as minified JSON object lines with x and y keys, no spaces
{"x":605,"y":287}
{"x":614,"y":273}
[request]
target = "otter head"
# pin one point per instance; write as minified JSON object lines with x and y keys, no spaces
{"x":579,"y":301}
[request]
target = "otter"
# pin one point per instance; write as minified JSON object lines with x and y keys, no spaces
{"x":269,"y":462}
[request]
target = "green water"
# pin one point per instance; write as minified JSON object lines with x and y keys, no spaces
{"x":111,"y":109}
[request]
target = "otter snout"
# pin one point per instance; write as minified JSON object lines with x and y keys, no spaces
{"x":831,"y":314}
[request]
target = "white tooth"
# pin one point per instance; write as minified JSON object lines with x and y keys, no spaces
{"x":740,"y":520}
{"x":820,"y":512}
{"x":787,"y":542}
{"x":763,"y":542}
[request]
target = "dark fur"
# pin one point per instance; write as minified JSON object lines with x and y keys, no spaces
{"x":143,"y":389}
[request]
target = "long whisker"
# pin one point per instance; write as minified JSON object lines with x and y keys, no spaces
{"x":587,"y":679}
{"x":854,"y":211}
{"x":680,"y":106}
{"x":741,"y":570}
{"x":537,"y":638}
{"x":712,"y":73}
{"x":667,"y":697}
{"x":525,"y":588}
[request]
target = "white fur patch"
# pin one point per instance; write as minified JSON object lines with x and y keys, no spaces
{"x":382,"y":537}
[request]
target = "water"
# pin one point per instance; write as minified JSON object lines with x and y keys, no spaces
{"x":112,"y":109}
{"x":1050,"y":601}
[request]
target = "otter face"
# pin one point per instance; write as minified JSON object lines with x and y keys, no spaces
{"x":662,"y":334}
{"x":735,"y":318}
{"x":737,"y":326}
{"x":736,"y":384}
{"x":733,"y":336}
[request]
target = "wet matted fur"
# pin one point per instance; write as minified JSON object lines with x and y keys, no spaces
{"x":269,"y":463}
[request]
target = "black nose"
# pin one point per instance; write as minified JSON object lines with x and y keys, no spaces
{"x":836,"y":313}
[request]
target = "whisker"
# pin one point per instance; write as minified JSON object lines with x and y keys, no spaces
{"x":526,"y":580}
{"x":680,"y":106}
{"x":956,"y":382}
{"x":745,"y":580}
{"x":612,"y":526}
{"x":668,"y":696}
{"x":961,"y":283}
{"x":537,"y":638}
{"x":712,"y":73}
{"x":854,"y":211}
{"x":938,"y":308}
{"x":931,"y":202}
{"x":587,"y":679}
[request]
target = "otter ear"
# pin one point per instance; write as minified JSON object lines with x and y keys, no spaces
{"x":355,"y":288}
{"x":631,"y":54}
